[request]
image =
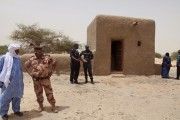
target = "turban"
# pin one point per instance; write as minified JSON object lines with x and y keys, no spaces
{"x":8,"y":63}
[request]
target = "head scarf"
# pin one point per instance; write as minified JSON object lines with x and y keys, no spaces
{"x":8,"y":63}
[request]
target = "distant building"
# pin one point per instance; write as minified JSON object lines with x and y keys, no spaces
{"x":122,"y":44}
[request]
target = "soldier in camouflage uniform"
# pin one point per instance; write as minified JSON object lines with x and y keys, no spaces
{"x":40,"y":67}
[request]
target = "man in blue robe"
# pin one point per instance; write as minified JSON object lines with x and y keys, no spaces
{"x":11,"y":81}
{"x":166,"y":65}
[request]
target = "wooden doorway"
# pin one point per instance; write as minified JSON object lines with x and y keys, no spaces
{"x":116,"y":55}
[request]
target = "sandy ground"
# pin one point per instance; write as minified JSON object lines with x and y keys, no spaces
{"x":114,"y":97}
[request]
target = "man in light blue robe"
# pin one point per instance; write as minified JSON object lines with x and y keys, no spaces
{"x":11,"y":82}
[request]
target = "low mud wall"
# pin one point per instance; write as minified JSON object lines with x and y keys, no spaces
{"x":62,"y":66}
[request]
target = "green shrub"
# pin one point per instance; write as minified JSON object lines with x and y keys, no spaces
{"x":158,"y":55}
{"x":174,"y":55}
{"x":33,"y":35}
{"x":3,"y":49}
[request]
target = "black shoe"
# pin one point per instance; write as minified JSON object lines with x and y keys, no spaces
{"x":92,"y":82}
{"x":18,"y":114}
{"x":86,"y":81}
{"x":5,"y":117}
{"x":71,"y":82}
{"x":76,"y":82}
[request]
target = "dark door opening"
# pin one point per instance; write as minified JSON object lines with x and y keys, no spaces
{"x":116,"y":55}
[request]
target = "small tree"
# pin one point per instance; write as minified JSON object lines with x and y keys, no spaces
{"x":3,"y":49}
{"x":158,"y":55}
{"x":34,"y":35}
{"x":174,"y":55}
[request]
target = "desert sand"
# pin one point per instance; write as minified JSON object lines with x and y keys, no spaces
{"x":113,"y":97}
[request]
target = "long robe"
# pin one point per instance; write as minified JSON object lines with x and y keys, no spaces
{"x":166,"y":65}
{"x":14,"y":92}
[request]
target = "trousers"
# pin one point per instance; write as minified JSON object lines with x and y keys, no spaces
{"x":178,"y":72}
{"x":75,"y":67}
{"x":4,"y":104}
{"x":87,"y":70}
{"x":45,"y":84}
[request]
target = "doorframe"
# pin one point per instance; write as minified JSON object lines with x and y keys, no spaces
{"x":122,"y":52}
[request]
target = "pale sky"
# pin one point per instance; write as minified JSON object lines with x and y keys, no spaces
{"x":73,"y":16}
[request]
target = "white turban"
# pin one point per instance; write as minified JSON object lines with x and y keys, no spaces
{"x":12,"y":48}
{"x":8,"y":63}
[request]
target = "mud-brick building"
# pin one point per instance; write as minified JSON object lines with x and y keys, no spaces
{"x":122,"y":44}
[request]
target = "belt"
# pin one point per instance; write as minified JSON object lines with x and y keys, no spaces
{"x":41,"y":78}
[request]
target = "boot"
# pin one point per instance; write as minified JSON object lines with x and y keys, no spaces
{"x":92,"y":82}
{"x":76,"y":82}
{"x":54,"y":110}
{"x":86,"y":80}
{"x":41,"y":108}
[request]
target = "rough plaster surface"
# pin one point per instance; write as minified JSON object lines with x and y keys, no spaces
{"x":136,"y":59}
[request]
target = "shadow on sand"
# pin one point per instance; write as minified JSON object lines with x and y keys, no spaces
{"x":29,"y":115}
{"x":83,"y":83}
{"x":59,"y":108}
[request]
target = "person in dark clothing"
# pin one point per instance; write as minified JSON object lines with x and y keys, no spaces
{"x":178,"y":65}
{"x":74,"y":64}
{"x":87,"y":57}
{"x":166,"y":65}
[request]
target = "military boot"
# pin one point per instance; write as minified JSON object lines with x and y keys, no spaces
{"x":41,"y":108}
{"x":53,"y":108}
{"x":86,"y":80}
{"x":92,"y":81}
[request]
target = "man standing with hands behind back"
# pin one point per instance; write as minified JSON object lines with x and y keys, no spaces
{"x":87,"y":57}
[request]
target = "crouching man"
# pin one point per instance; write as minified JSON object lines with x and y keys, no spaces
{"x":40,"y":67}
{"x":11,"y":81}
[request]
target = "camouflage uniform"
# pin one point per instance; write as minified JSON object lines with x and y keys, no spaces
{"x":41,"y":71}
